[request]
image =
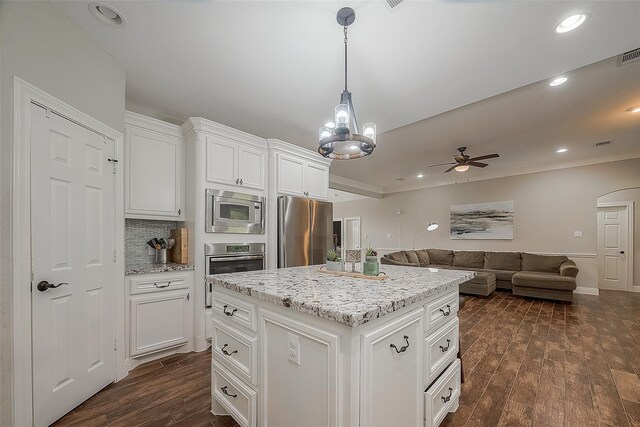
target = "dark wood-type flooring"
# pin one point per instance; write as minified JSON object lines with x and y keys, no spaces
{"x":527,"y":363}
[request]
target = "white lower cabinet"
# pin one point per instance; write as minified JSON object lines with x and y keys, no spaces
{"x":277,"y":367}
{"x":160,"y":312}
{"x":391,"y":358}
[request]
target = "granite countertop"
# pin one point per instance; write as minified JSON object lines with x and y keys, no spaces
{"x":131,"y":269}
{"x":347,"y":300}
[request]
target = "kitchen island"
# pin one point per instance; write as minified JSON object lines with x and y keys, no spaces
{"x":297,"y":347}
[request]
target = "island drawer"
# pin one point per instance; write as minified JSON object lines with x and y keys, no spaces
{"x":440,"y":311}
{"x":237,"y":398}
{"x":234,"y":311}
{"x":158,"y":283}
{"x":440,"y":349}
{"x":442,"y":397}
{"x":236,"y":350}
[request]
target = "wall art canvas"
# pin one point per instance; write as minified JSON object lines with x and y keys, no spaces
{"x":486,"y":221}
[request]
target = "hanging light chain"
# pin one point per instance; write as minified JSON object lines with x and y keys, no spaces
{"x":345,"y":57}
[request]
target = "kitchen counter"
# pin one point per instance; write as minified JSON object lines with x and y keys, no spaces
{"x":346,"y":300}
{"x":131,"y":269}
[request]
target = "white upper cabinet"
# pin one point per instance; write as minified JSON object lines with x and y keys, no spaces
{"x":154,"y":169}
{"x":303,"y":178}
{"x":234,"y":163}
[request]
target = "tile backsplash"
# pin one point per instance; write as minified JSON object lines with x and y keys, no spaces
{"x":136,"y":234}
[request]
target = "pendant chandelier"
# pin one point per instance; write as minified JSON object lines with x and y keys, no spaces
{"x":340,"y":139}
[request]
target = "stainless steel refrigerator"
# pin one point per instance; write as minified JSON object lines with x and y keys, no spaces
{"x":305,"y":231}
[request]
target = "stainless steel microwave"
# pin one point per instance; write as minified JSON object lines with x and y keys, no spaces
{"x":230,"y":212}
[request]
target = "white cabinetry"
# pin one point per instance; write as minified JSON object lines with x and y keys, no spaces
{"x":154,"y":169}
{"x":391,"y":358}
{"x":160,"y":312}
{"x":396,"y":370}
{"x":298,"y":177}
{"x":234,"y":163}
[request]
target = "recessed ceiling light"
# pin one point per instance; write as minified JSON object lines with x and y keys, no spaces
{"x":571,"y":23}
{"x":558,"y":81}
{"x":562,"y":150}
{"x":419,"y":175}
{"x":462,"y":168}
{"x":106,"y":14}
{"x":635,"y":109}
{"x":330,"y":125}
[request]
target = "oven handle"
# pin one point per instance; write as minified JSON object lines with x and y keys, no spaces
{"x":236,"y":258}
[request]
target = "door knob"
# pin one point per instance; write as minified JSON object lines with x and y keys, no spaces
{"x":44,"y":285}
{"x":621,"y":252}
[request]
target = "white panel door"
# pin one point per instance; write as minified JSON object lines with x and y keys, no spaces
{"x":291,"y":176}
{"x":317,"y":181}
{"x":222,"y":160}
{"x":72,"y":229}
{"x":613,"y":247}
{"x":154,"y":174}
{"x":251,"y":167}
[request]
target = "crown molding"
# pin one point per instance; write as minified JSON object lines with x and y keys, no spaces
{"x":279,"y":146}
{"x":139,"y":120}
{"x":352,"y":186}
{"x":199,"y":124}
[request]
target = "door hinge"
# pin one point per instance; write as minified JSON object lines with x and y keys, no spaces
{"x":114,"y":255}
{"x":115,"y":343}
{"x":115,"y":164}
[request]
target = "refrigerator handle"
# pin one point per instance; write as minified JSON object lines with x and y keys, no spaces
{"x":281,"y":240}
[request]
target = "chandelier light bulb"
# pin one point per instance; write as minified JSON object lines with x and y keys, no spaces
{"x":342,"y":116}
{"x":369,"y":130}
{"x":324,"y":132}
{"x":330,"y":125}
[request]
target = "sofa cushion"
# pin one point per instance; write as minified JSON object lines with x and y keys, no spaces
{"x":411,"y":257}
{"x":483,"y":278}
{"x":502,"y":261}
{"x":473,"y":259}
{"x":423,"y":257}
{"x":440,"y":256}
{"x":542,"y":263}
{"x":397,"y":256}
{"x":503,"y":275}
{"x":536,"y":279}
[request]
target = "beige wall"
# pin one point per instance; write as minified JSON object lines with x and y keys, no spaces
{"x":630,"y":195}
{"x":41,"y":46}
{"x":548,"y":208}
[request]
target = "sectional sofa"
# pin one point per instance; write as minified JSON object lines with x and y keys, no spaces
{"x":529,"y":275}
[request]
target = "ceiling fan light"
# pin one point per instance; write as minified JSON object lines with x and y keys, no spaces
{"x":462,"y":168}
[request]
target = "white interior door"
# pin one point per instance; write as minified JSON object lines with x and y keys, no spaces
{"x":72,"y":241}
{"x":613,"y":247}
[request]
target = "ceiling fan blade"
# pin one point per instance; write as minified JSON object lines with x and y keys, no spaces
{"x":450,"y":169}
{"x":488,"y":156}
{"x":478,"y":164}
{"x":442,"y":164}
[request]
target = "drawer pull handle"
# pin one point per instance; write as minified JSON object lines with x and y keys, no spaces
{"x":228,"y":313}
{"x":443,"y":348}
{"x":225,"y":352}
{"x":448,"y":398}
{"x":162,"y":286}
{"x":224,"y":390}
{"x":403,"y":348}
{"x":446,"y":313}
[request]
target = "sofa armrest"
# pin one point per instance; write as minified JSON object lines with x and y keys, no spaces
{"x":569,"y":269}
{"x":389,"y":261}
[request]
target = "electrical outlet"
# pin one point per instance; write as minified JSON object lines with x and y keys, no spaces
{"x":577,"y":234}
{"x":294,"y":348}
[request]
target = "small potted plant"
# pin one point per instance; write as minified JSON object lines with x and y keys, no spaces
{"x":334,"y":263}
{"x":371,"y":266}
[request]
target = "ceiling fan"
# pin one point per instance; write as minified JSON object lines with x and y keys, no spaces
{"x":463,"y":161}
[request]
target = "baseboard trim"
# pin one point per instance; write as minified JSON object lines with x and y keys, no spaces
{"x":587,"y":291}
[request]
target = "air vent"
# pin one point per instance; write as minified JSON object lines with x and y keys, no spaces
{"x":394,"y":3}
{"x":602,"y":143}
{"x":632,"y":55}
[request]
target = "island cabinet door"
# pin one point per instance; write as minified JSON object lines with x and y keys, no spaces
{"x":391,"y":374}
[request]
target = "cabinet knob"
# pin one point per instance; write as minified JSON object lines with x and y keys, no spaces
{"x":448,"y":312}
{"x":227,"y":353}
{"x":228,"y":313}
{"x":403,"y":348}
{"x":445,"y":349}
{"x":224,"y":390}
{"x":445,"y":399}
{"x":179,"y":211}
{"x":237,"y":181}
{"x":240,"y":181}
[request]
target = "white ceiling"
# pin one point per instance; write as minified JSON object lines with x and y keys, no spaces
{"x":274,"y":69}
